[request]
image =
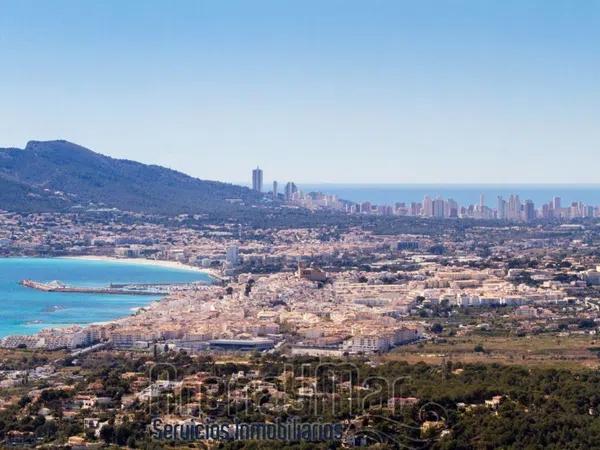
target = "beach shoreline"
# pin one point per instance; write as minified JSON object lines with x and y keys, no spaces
{"x":144,"y":261}
{"x":213,"y":277}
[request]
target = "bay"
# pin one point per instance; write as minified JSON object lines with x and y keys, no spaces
{"x":26,"y":311}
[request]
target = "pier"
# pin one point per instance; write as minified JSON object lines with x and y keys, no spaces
{"x":121,"y":289}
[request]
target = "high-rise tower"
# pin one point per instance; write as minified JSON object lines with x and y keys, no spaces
{"x":257,"y":179}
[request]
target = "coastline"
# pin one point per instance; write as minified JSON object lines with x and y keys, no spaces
{"x":144,"y":261}
{"x":213,"y":277}
{"x":213,"y":274}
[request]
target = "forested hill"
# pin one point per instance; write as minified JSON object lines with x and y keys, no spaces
{"x":60,"y":175}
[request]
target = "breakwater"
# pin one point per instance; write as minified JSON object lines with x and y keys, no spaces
{"x":56,"y":286}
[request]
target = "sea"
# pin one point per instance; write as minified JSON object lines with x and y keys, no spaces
{"x":464,"y":194}
{"x":26,"y":311}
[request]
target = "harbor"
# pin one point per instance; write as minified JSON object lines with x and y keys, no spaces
{"x":113,"y":288}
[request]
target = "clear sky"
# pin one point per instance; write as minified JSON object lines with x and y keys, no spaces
{"x":314,"y":91}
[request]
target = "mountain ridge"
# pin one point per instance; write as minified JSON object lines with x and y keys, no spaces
{"x":63,"y":174}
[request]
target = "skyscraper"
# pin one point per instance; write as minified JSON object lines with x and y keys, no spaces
{"x":415,"y":208}
{"x":427,"y":206}
{"x":257,"y":179}
{"x":290,"y":190}
{"x":546,"y":210}
{"x":438,"y":207}
{"x":556,"y":203}
{"x":514,"y":208}
{"x":502,"y":210}
{"x":451,"y":209}
{"x":274,"y":190}
{"x":529,"y":211}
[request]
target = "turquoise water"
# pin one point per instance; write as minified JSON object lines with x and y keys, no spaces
{"x":26,"y":311}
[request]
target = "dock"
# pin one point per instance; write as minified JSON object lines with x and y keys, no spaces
{"x":56,"y":286}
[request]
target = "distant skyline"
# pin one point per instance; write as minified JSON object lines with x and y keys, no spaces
{"x":336,"y":91}
{"x":464,"y":194}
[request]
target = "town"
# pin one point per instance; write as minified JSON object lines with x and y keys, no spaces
{"x":468,"y":292}
{"x":314,"y":225}
{"x":318,"y":290}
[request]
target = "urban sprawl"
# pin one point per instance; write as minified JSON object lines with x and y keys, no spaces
{"x":401,"y":288}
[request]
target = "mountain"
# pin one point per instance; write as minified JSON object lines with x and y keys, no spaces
{"x":58,"y":175}
{"x":15,"y":196}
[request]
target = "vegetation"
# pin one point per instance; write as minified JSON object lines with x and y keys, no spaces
{"x":58,"y":175}
{"x":471,"y":405}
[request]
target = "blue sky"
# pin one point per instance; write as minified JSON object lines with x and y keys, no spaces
{"x":313,"y":91}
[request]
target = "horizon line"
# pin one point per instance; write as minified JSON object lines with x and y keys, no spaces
{"x":451,"y":183}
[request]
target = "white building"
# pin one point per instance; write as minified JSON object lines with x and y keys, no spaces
{"x":232,"y":255}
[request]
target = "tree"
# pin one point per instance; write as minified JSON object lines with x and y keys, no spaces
{"x":47,"y":430}
{"x":122,"y":434}
{"x":586,"y":323}
{"x":131,"y":443}
{"x":437,"y":328}
{"x":107,"y":433}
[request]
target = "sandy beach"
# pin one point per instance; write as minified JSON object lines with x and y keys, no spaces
{"x":213,"y":273}
{"x":141,"y":261}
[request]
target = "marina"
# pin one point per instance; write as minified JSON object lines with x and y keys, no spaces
{"x":112,"y":289}
{"x":83,"y":298}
